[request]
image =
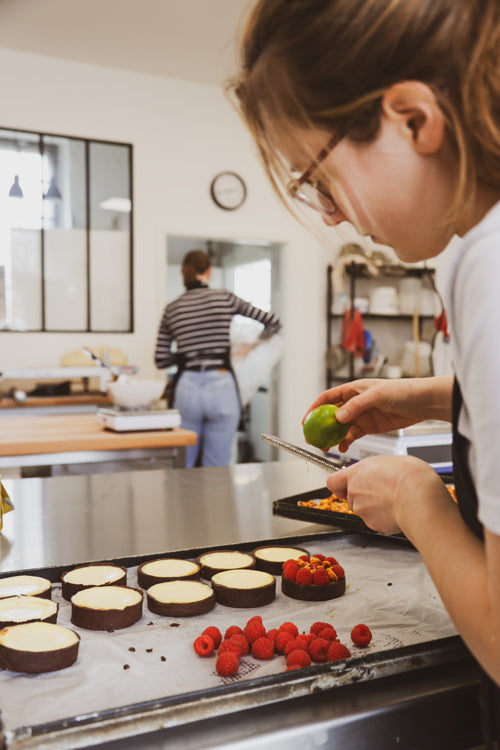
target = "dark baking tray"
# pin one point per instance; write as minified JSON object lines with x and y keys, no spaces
{"x":290,"y":508}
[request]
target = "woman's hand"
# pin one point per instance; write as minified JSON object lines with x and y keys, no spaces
{"x":390,"y":493}
{"x":374,"y":406}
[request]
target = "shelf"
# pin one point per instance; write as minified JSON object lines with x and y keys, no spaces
{"x":382,"y":316}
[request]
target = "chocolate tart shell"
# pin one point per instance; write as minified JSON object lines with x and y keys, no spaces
{"x":181,"y":609}
{"x":270,"y":566}
{"x":145,"y":580}
{"x":207,"y":571}
{"x":68,"y":588}
{"x":107,"y":619}
{"x":45,"y":594}
{"x":312,"y":593}
{"x":51,"y":618}
{"x":36,"y":662}
{"x":244,"y":598}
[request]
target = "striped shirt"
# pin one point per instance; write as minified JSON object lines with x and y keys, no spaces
{"x":199,"y":321}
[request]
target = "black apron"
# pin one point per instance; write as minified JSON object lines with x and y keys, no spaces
{"x":489,"y":692}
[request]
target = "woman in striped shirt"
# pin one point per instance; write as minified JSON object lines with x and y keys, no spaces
{"x":205,"y":390}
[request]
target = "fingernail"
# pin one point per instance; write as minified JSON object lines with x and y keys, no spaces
{"x":340,"y":414}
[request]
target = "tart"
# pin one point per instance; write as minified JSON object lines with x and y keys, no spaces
{"x":244,"y":588}
{"x":166,"y":569}
{"x":106,"y":607}
{"x":15,"y":610}
{"x":96,"y":574}
{"x":217,"y":561}
{"x":28,"y":585}
{"x":37,"y":647}
{"x":271,"y":558}
{"x":315,"y":578}
{"x":180,"y":598}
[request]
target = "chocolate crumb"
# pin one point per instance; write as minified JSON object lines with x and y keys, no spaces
{"x":110,"y":630}
{"x":148,"y":650}
{"x":132,"y":648}
{"x":174,"y":624}
{"x":389,"y":584}
{"x":126,"y":666}
{"x":150,"y":623}
{"x":163,"y":658}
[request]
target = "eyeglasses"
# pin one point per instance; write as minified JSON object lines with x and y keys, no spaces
{"x":314,"y":193}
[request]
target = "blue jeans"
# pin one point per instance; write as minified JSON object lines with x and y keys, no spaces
{"x":209,"y":405}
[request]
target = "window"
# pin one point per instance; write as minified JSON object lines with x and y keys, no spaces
{"x":65,"y":234}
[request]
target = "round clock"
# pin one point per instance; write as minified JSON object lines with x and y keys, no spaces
{"x":228,"y":190}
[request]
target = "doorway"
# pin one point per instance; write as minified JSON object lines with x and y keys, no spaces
{"x":251,"y":270}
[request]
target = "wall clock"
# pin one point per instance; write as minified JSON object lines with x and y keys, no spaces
{"x":228,"y":190}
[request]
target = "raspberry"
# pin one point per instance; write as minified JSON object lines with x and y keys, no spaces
{"x":214,"y":634}
{"x":282,"y":639}
{"x":292,"y":667}
{"x":241,"y":642}
{"x":317,"y":626}
{"x":308,"y":637}
{"x":255,"y":618}
{"x":337,"y":651}
{"x":339,"y":571}
{"x":290,"y":627}
{"x":319,"y":557}
{"x":227,"y":663}
{"x":233,"y":630}
{"x":262,"y":648}
{"x":304,"y":577}
{"x":361,"y":635}
{"x":230,"y":645}
{"x":295,"y":643}
{"x":332,"y":560}
{"x":271,"y":634}
{"x":290,"y":569}
{"x":319,"y":649}
{"x":320,"y":577}
{"x":305,"y":558}
{"x":204,"y":645}
{"x":253,"y":630}
{"x":329,"y":633}
{"x":299,"y":657}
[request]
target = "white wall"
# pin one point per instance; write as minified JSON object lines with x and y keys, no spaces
{"x":183,"y":134}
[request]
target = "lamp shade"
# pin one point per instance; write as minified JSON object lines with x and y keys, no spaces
{"x":15,"y":190}
{"x":53,"y":191}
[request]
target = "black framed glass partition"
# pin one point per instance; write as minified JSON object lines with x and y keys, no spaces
{"x":66,"y":228}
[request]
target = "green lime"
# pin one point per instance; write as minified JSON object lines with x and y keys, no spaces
{"x":321,"y":428}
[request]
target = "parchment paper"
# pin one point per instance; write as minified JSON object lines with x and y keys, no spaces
{"x":388,"y":589}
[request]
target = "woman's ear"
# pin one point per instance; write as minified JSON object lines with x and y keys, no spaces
{"x":414,"y":106}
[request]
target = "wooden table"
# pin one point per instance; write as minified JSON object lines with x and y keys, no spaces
{"x":58,"y":442}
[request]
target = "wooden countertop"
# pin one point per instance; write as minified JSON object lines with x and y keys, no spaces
{"x":100,"y":399}
{"x":64,"y":433}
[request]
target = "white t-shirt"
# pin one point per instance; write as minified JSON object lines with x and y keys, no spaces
{"x":472,"y":301}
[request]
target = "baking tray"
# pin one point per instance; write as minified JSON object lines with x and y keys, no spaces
{"x":135,"y":718}
{"x":290,"y":508}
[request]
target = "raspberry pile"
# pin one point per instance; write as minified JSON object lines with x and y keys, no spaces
{"x":317,"y":570}
{"x":321,"y":644}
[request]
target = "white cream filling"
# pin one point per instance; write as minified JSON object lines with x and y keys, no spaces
{"x":226,"y":560}
{"x":166,"y":568}
{"x":20,"y":608}
{"x":279,"y":554}
{"x":106,"y":597}
{"x":37,"y":636}
{"x":243,"y":579}
{"x":93,"y":575}
{"x":29,"y":585}
{"x":180,"y":592}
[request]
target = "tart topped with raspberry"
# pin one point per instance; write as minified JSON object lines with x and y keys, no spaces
{"x":316,"y":578}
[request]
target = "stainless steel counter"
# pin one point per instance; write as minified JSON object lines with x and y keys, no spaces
{"x":61,"y":520}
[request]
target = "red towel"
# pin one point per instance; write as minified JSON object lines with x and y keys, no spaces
{"x":353,"y":339}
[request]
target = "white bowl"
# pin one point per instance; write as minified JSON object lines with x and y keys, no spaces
{"x":135,"y":394}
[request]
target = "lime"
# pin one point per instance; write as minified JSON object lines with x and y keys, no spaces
{"x":321,"y":428}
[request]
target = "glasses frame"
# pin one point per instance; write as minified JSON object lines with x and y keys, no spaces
{"x":296,"y":183}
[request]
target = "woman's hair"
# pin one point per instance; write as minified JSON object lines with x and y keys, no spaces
{"x":327,"y":64}
{"x":195,"y":263}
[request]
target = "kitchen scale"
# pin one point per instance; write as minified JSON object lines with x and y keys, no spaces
{"x":430,"y":440}
{"x":131,"y":421}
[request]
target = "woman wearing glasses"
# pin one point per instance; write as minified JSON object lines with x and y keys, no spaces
{"x":205,"y":390}
{"x":386,"y":114}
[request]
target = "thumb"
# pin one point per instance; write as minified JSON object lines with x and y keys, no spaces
{"x":337,"y":483}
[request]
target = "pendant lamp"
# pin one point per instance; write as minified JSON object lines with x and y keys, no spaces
{"x":53,"y":191}
{"x":16,"y":190}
